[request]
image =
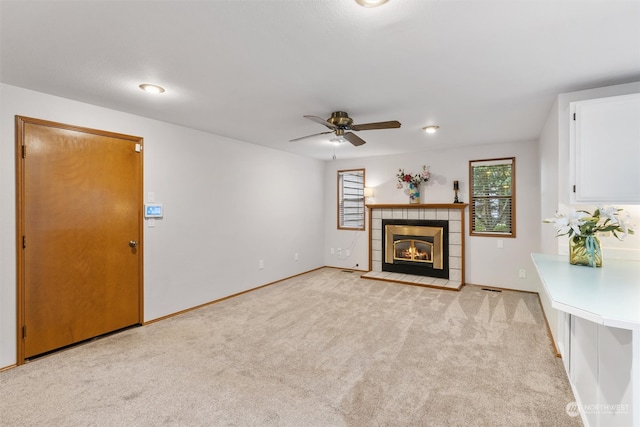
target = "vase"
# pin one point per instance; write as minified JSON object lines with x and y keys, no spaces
{"x":585,"y":250}
{"x":414,"y":193}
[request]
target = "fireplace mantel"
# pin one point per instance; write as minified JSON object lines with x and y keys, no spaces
{"x":460,"y":206}
{"x":453,"y":212}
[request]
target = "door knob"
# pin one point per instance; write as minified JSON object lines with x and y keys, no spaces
{"x":133,"y":243}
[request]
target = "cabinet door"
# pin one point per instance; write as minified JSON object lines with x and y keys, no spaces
{"x":605,"y":148}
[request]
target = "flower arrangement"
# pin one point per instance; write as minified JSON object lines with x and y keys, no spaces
{"x":412,"y":179}
{"x":582,"y":223}
{"x":582,"y":226}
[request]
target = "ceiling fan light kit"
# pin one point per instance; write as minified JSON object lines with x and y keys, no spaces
{"x":431,"y":129}
{"x":339,"y":122}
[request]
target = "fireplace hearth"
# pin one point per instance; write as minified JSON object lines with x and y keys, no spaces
{"x":418,"y":247}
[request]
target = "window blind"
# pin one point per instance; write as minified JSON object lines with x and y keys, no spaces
{"x":492,"y":196}
{"x":351,"y":200}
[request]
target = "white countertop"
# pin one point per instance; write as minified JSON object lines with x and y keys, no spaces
{"x":609,"y":295}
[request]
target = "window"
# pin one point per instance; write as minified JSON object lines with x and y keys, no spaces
{"x":493,"y":197}
{"x":351,"y":199}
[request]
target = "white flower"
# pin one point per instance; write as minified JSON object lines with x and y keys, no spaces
{"x":625,"y":226}
{"x":576,"y":220}
{"x":560,"y":223}
{"x":609,"y":212}
{"x":565,"y":223}
{"x":603,"y":220}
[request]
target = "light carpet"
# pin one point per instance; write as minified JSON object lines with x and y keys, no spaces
{"x":326,"y":348}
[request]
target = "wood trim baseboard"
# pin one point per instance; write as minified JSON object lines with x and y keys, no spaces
{"x":546,"y":322}
{"x":6,"y":368}
{"x":346,"y":269}
{"x":177,"y":313}
{"x":497,"y":288}
{"x":556,"y":352}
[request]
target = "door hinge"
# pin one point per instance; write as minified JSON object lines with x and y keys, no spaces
{"x":574,"y":117}
{"x":24,"y":151}
{"x":24,"y":242}
{"x":24,"y":332}
{"x":574,"y":188}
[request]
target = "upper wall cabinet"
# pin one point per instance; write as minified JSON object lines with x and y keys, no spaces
{"x":605,"y":150}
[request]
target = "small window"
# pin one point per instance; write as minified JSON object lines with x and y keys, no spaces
{"x":493,"y":197}
{"x":351,"y":199}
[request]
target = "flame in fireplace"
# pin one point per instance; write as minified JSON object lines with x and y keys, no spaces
{"x":413,"y":250}
{"x":414,"y":246}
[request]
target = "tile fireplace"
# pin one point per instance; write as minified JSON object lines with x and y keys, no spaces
{"x":417,"y":247}
{"x":421,"y":244}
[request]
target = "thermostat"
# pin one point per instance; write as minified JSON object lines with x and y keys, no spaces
{"x":152,"y":210}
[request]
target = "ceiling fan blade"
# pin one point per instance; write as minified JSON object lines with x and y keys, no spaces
{"x":321,"y":121}
{"x":378,"y":125}
{"x":354,"y":139}
{"x":309,"y":136}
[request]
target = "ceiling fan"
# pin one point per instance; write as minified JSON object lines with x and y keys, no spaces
{"x":340,"y":123}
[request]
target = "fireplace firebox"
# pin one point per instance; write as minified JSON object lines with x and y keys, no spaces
{"x":418,"y":247}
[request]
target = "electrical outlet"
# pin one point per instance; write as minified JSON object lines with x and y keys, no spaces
{"x":260,"y":264}
{"x":522,"y":273}
{"x":339,"y":251}
{"x":347,"y":252}
{"x":500,"y":243}
{"x":333,"y":251}
{"x":296,"y":257}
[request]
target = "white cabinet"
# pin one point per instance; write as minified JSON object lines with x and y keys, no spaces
{"x":605,"y":150}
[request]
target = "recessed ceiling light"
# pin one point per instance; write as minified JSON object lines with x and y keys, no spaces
{"x":431,"y":129}
{"x":371,"y":3}
{"x":151,"y":88}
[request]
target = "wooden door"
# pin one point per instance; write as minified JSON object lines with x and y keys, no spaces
{"x":79,"y":234}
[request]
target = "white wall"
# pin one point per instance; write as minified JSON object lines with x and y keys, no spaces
{"x":549,"y":180}
{"x":549,"y":189}
{"x":227,"y":205}
{"x":486,"y":264}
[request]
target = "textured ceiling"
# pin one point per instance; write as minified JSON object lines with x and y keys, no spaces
{"x":485,"y":71}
